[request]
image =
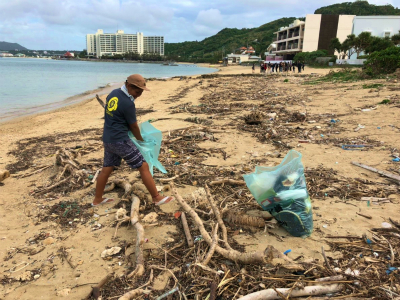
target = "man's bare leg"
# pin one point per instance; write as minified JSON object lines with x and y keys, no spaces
{"x":148,"y":181}
{"x":101,"y":184}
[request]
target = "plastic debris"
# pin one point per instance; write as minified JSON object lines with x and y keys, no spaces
{"x":287,"y":251}
{"x":390,"y":270}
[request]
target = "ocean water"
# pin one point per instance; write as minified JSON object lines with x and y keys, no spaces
{"x":29,"y":85}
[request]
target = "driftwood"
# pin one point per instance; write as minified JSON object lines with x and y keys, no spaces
{"x":365,"y":216}
{"x":100,"y":101}
{"x":95,"y":176}
{"x":95,"y":292}
{"x":139,"y":271}
{"x":218,"y":217}
{"x":187,"y":231}
{"x":32,"y":173}
{"x":122,"y":184}
{"x":230,"y":181}
{"x":286,"y":292}
{"x":383,"y":173}
{"x":52,"y":186}
{"x":247,"y":258}
{"x":212,"y":247}
{"x":136,"y":292}
{"x":4,"y":174}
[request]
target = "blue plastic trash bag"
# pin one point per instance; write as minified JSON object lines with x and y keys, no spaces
{"x":151,"y":146}
{"x":282,"y":191}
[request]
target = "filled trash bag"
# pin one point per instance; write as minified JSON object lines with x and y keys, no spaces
{"x":282,"y":191}
{"x":150,"y":147}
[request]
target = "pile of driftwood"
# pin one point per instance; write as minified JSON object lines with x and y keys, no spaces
{"x":207,"y":265}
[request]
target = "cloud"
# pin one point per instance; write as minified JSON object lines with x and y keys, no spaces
{"x":208,"y":22}
{"x":50,"y":24}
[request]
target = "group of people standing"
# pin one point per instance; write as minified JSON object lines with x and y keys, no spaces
{"x":280,"y":67}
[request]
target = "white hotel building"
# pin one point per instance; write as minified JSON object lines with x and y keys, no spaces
{"x":101,"y":43}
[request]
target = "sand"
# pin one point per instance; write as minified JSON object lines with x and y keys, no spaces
{"x":332,"y":216}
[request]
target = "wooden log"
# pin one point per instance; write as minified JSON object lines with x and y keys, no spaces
{"x":186,"y":229}
{"x":331,"y":278}
{"x":95,"y":176}
{"x":95,"y":292}
{"x":307,"y":291}
{"x":256,"y":257}
{"x":212,"y":247}
{"x":383,"y":173}
{"x":100,"y":101}
{"x":218,"y":217}
{"x":226,"y":180}
{"x":373,"y":199}
{"x":365,"y":216}
{"x":51,"y":187}
{"x":139,"y":271}
{"x":213,"y":290}
{"x":132,"y":294}
{"x":4,"y":174}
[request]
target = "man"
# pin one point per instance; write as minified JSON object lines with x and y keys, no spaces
{"x":120,"y":118}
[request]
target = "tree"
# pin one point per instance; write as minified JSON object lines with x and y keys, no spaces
{"x":83,"y":54}
{"x":378,"y":44}
{"x":337,"y":46}
{"x":383,"y":62}
{"x":396,"y":39}
{"x":362,"y":42}
{"x":348,"y":45}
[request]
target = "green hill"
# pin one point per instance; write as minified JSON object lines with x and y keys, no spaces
{"x":4,"y":46}
{"x":226,"y":41}
{"x":358,"y":8}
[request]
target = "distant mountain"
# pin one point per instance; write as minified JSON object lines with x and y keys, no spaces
{"x":358,"y":8}
{"x":227,"y":41}
{"x":4,"y":46}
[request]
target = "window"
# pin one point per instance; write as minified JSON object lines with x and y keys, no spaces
{"x":386,"y":34}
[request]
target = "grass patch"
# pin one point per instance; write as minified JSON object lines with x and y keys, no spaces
{"x":343,"y":76}
{"x":286,"y":80}
{"x":372,"y":86}
{"x":385,"y":101}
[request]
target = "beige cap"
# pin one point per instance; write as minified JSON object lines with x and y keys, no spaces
{"x":137,"y":80}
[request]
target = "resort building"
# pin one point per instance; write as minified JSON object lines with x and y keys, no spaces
{"x":289,"y":40}
{"x":315,"y":33}
{"x":101,"y":43}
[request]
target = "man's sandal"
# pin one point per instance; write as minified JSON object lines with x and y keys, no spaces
{"x":105,"y":201}
{"x":164,"y":200}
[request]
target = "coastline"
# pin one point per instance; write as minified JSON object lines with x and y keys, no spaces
{"x":29,"y":144}
{"x":75,"y":99}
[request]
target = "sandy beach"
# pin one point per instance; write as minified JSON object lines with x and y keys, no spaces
{"x":35,"y":235}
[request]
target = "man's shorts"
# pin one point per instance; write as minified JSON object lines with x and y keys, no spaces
{"x":114,"y":152}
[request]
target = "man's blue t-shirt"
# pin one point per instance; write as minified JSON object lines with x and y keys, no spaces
{"x":120,"y":112}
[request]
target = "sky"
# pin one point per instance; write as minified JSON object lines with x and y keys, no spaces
{"x":63,"y":24}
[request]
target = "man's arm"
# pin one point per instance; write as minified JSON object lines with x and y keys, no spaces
{"x":134,"y":127}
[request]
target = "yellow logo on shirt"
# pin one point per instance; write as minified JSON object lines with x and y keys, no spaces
{"x":112,"y":104}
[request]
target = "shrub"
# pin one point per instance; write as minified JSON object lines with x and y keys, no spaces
{"x":286,"y":80}
{"x":383,"y":62}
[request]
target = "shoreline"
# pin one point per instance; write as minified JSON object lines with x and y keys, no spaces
{"x":76,"y":99}
{"x":46,"y":208}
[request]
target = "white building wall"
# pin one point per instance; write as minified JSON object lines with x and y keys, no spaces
{"x":311,"y":33}
{"x":379,"y":26}
{"x":345,"y":27}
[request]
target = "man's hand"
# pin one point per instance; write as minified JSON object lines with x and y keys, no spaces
{"x":136,"y":131}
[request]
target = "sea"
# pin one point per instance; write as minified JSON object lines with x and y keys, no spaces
{"x":29,"y":85}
